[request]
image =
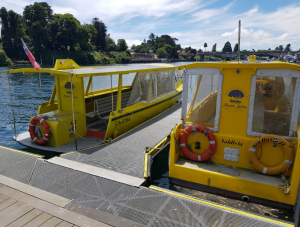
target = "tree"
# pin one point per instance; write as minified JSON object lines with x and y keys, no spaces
{"x":200,"y":51}
{"x":280,"y":48}
{"x":37,"y":18}
{"x":214,"y":48}
{"x":13,"y":29}
{"x":163,"y":40}
{"x":161,"y":53}
{"x":193,"y":51}
{"x":227,"y":47}
{"x":287,"y":48}
{"x":99,"y":39}
{"x":122,"y":45}
{"x":236,"y":47}
{"x":144,"y":41}
{"x":205,"y":45}
{"x":133,"y":47}
{"x":110,"y":43}
{"x":152,"y":37}
{"x":66,"y":30}
{"x":92,"y":32}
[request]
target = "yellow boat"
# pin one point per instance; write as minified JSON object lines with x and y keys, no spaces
{"x":240,"y":131}
{"x":94,"y":115}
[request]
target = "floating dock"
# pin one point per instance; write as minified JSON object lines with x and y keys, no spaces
{"x":104,"y":186}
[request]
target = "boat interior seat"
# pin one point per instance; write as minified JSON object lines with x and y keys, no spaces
{"x":103,"y":106}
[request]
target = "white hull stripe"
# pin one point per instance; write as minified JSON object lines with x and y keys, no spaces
{"x":41,"y":120}
{"x":45,"y":138}
{"x":288,"y":161}
{"x":212,"y":142}
{"x":31,"y":125}
{"x":182,"y":144}
{"x":199,"y":157}
{"x":252,"y":149}
{"x":34,"y":139}
{"x":264,"y":170}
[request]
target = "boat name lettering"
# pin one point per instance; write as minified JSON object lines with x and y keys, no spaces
{"x":68,"y":96}
{"x":235,"y":106}
{"x":232,"y":142}
{"x":124,"y":120}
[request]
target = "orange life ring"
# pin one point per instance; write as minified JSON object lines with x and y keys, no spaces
{"x":46,"y":128}
{"x":277,"y":141}
{"x":209,"y":135}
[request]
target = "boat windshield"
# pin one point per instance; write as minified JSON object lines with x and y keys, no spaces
{"x":275,"y":109}
{"x":150,"y":86}
{"x":204,"y":104}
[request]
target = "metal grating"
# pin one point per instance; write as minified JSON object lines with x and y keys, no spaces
{"x":127,"y":153}
{"x":141,"y":205}
{"x":16,"y":165}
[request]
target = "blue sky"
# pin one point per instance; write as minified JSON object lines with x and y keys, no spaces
{"x":265,"y":23}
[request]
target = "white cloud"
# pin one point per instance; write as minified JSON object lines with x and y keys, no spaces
{"x":130,"y":42}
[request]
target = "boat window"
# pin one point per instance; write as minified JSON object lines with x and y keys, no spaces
{"x":204,"y":104}
{"x":273,"y":109}
{"x":151,"y":86}
{"x":177,"y":76}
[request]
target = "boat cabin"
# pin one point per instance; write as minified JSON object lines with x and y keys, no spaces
{"x":239,"y":132}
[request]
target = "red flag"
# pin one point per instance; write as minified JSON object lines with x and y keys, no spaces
{"x":30,"y":56}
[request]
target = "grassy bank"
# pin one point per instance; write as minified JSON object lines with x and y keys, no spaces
{"x":4,"y":60}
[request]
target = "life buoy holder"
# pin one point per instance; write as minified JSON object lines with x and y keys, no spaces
{"x":277,"y":141}
{"x":46,"y":128}
{"x":209,"y":135}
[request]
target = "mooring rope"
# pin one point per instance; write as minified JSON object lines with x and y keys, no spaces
{"x":12,"y":107}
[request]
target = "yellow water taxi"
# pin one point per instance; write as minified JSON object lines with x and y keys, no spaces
{"x":92,"y":105}
{"x":239,"y":135}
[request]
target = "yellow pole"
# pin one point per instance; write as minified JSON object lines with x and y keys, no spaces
{"x":119,"y":99}
{"x":88,"y":86}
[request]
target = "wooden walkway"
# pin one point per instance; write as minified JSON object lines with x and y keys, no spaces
{"x":20,"y":209}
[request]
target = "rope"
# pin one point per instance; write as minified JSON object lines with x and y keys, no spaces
{"x":41,"y":87}
{"x":285,"y":186}
{"x":12,"y":107}
{"x":73,"y":125}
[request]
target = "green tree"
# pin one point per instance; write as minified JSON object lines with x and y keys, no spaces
{"x":13,"y":29}
{"x":110,"y":43}
{"x":37,"y":18}
{"x":205,"y":45}
{"x":163,"y":40}
{"x":214,"y":48}
{"x":200,"y":51}
{"x":227,"y":47}
{"x":280,"y":47}
{"x":236,"y":47}
{"x":92,"y":32}
{"x":132,"y":47}
{"x":161,"y":53}
{"x":287,"y":48}
{"x":122,"y":45}
{"x":152,"y":37}
{"x":66,"y":30}
{"x":99,"y":39}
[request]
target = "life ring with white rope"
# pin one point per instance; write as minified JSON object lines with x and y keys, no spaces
{"x":276,"y":141}
{"x":209,"y":135}
{"x":46,"y":128}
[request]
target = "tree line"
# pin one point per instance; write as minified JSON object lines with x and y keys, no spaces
{"x":42,"y":30}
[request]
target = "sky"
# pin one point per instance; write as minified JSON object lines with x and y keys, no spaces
{"x":264,"y":23}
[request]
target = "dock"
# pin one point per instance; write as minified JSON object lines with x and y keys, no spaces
{"x":105,"y":186}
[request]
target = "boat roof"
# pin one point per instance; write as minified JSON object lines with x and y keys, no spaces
{"x":68,"y":66}
{"x":240,"y":65}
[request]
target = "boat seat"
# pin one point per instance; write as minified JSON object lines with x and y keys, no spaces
{"x":103,"y":106}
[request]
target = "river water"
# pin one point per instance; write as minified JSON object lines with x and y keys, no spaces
{"x":26,"y":97}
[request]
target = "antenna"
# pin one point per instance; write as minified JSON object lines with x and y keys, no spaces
{"x":239,"y":42}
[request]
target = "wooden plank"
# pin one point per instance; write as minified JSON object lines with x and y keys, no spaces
{"x":65,"y":224}
{"x":13,"y":212}
{"x":25,"y":218}
{"x":7,"y":203}
{"x":3,"y":198}
{"x":38,"y":220}
{"x":52,"y":222}
{"x":96,"y":171}
{"x":50,"y":208}
{"x":44,"y":195}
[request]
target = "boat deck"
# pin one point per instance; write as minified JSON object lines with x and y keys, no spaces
{"x":124,"y":155}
